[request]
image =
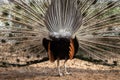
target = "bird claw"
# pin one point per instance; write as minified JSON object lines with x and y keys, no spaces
{"x":67,"y":73}
{"x":60,"y":74}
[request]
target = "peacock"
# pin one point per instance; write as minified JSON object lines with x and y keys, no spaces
{"x":60,"y":28}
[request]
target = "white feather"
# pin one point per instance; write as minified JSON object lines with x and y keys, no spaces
{"x":61,"y":34}
{"x":62,"y":18}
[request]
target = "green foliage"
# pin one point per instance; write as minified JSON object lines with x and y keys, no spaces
{"x":109,"y":12}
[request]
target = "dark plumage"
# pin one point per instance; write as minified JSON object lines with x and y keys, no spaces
{"x":61,"y":48}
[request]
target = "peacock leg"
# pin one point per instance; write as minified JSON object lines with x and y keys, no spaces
{"x":58,"y":66}
{"x":65,"y":67}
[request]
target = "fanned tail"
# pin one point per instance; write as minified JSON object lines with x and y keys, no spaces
{"x":21,"y":36}
{"x":98,"y":36}
{"x":62,"y":18}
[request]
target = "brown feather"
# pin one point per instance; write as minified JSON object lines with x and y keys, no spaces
{"x":72,"y":49}
{"x":50,"y":55}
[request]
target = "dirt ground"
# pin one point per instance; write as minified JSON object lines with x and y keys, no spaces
{"x":80,"y":70}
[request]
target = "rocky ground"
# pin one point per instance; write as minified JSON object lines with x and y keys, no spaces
{"x":80,"y":70}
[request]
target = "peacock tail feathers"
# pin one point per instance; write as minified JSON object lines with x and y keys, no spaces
{"x":62,"y":18}
{"x":94,"y":23}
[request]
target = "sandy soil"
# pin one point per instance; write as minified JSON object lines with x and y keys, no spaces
{"x":80,"y":70}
